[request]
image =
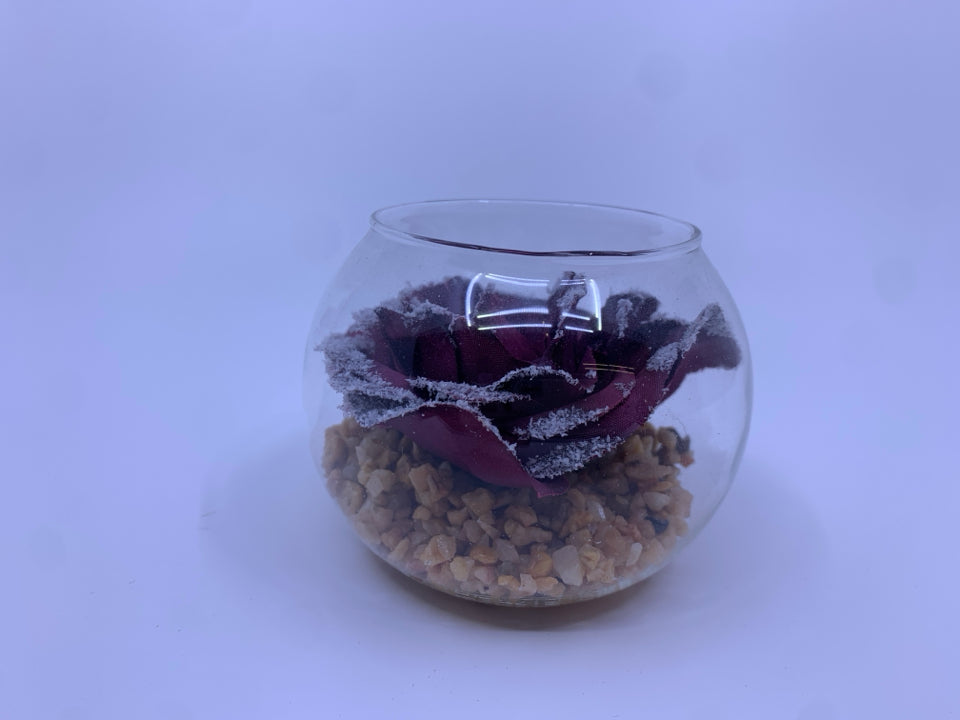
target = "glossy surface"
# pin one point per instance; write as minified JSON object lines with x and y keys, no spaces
{"x":530,"y":372}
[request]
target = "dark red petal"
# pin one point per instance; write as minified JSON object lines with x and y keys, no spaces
{"x":624,"y":313}
{"x":460,"y":436}
{"x":713,"y":347}
{"x":393,"y":377}
{"x":606,"y":399}
{"x":481,"y":357}
{"x":527,"y":345}
{"x":646,"y":394}
{"x":708,"y":344}
{"x":546,"y":389}
{"x":572,"y":352}
{"x":435,"y":356}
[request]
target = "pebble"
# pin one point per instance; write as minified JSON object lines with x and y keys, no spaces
{"x":440,"y":548}
{"x":566,"y":561}
{"x":506,"y":551}
{"x":472,"y":530}
{"x":426,"y":484}
{"x":483,"y":554}
{"x":461,"y":567}
{"x":656,"y":501}
{"x":523,"y":514}
{"x":528,"y":586}
{"x":478,"y":502}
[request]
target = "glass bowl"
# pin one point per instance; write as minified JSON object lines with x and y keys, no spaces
{"x":527,"y":403}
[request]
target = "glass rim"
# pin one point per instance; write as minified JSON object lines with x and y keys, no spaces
{"x":380,"y":222}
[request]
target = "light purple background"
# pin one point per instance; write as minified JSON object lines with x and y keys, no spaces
{"x":178,"y":181}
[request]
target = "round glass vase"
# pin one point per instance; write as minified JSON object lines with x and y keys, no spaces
{"x":527,"y":403}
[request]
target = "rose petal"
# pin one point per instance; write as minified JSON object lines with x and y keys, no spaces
{"x":624,"y":313}
{"x":597,"y":404}
{"x":646,"y":393}
{"x":705,"y":343}
{"x":572,"y":352}
{"x":545,"y":388}
{"x":466,"y":440}
{"x":527,"y":345}
{"x":435,"y":356}
{"x":712,"y":347}
{"x":481,"y":357}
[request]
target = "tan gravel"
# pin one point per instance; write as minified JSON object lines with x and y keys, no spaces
{"x":434,"y":522}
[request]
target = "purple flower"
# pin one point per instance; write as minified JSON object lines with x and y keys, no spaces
{"x":514,"y":389}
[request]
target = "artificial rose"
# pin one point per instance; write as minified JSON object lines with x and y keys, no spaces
{"x":523,"y":401}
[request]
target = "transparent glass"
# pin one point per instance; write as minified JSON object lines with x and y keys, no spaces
{"x":527,"y":403}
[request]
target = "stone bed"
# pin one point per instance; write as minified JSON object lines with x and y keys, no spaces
{"x":615,"y":525}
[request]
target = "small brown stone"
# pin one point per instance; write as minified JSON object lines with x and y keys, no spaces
{"x":603,"y":573}
{"x":485,"y":574}
{"x":374,"y":451}
{"x":596,"y":510}
{"x":577,"y":499}
{"x":399,"y":551}
{"x":549,"y":586}
{"x":664,"y":485}
{"x":506,"y":551}
{"x":577,"y":520}
{"x":645,"y":472}
{"x":435,"y":526}
{"x":508,"y":581}
{"x":615,"y":485}
{"x":489,"y":529}
{"x":457,"y":517}
{"x":516,"y":532}
{"x":541,"y":564}
{"x":472,"y":586}
{"x":681,"y":500}
{"x":402,"y":470}
{"x":612,"y":543}
{"x":427,"y":484}
{"x":335,"y":449}
{"x":472,"y":530}
{"x":440,"y":575}
{"x":392,"y":537}
{"x":656,"y":501}
{"x":478,"y":502}
{"x":528,"y":586}
{"x":566,"y":561}
{"x":484,"y":555}
{"x":419,"y":537}
{"x":653,"y":552}
{"x":380,"y":481}
{"x":351,"y":497}
{"x":367,"y":531}
{"x":580,"y":537}
{"x":590,"y":556}
{"x":523,"y":514}
{"x":382,"y":518}
{"x":440,"y":548}
{"x":461,"y":567}
{"x":538,"y":535}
